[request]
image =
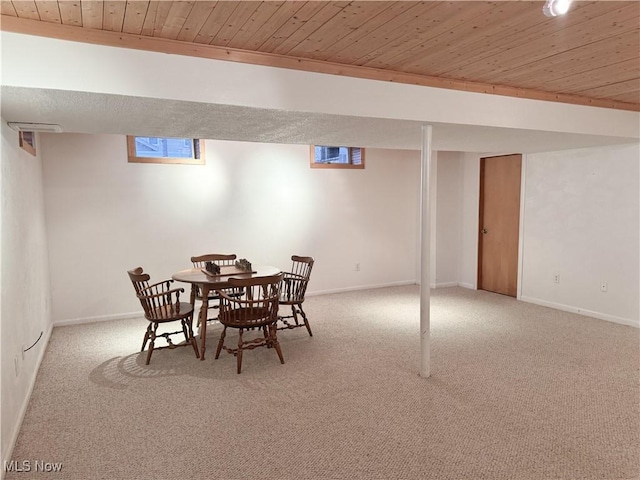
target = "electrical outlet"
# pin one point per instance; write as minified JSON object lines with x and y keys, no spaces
{"x":603,"y":287}
{"x":357,"y":267}
{"x":556,"y":278}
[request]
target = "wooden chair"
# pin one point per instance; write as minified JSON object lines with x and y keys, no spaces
{"x":294,"y":286}
{"x":162,"y":304}
{"x":255,"y":309}
{"x":200,"y":261}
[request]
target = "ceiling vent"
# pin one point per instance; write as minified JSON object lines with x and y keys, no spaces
{"x":35,"y":127}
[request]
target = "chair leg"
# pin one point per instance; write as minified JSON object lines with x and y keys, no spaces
{"x":239,"y":355}
{"x":221,"y":341}
{"x":146,"y":338}
{"x":192,"y":338}
{"x":153,"y":340}
{"x":184,"y":330}
{"x":274,"y":341}
{"x":295,"y":314}
{"x":306,"y":322}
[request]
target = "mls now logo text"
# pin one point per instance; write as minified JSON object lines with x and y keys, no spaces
{"x":25,"y":466}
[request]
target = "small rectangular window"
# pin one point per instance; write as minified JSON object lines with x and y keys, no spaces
{"x":336,"y":157}
{"x":188,"y":151}
{"x":27,"y":141}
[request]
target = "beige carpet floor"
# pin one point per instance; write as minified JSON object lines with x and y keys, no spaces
{"x":517,"y":392}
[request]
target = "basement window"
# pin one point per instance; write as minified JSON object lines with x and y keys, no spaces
{"x":336,"y":157}
{"x":187,"y":151}
{"x":27,"y":141}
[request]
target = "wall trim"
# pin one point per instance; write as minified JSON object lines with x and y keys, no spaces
{"x":581,"y":311}
{"x":99,"y":318}
{"x":444,"y":284}
{"x":27,"y":399}
{"x":177,"y":47}
{"x":470,"y":286}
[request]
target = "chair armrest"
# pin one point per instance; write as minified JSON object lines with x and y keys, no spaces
{"x":164,"y":293}
{"x":292,"y":276}
{"x":157,"y":286}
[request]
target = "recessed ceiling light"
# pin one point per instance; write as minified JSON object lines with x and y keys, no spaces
{"x":35,"y":127}
{"x":553,"y":8}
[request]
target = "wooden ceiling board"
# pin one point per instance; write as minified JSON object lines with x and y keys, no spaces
{"x":584,"y":34}
{"x":501,"y":40}
{"x":236,"y":20}
{"x":48,"y":11}
{"x":417,"y":31}
{"x":195,"y":21}
{"x":381,"y":39}
{"x":161,"y":14}
{"x":261,"y":16}
{"x":26,"y":9}
{"x":261,"y":33}
{"x":221,"y":12}
{"x":71,"y":13}
{"x":328,"y":11}
{"x":432,"y":35}
{"x":624,"y":71}
{"x":92,"y":12}
{"x":113,"y":16}
{"x":578,"y":65}
{"x":494,"y":27}
{"x":134,"y":15}
{"x":350,"y":18}
{"x":631,"y":98}
{"x":535,"y":42}
{"x":7,"y":8}
{"x":300,"y":18}
{"x":176,"y":18}
{"x":393,"y":10}
{"x":631,"y":87}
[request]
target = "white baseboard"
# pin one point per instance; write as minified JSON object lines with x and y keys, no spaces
{"x":99,"y":318}
{"x":582,"y":311}
{"x":25,"y":403}
{"x":467,"y":285}
{"x":444,"y":285}
{"x":361,"y":287}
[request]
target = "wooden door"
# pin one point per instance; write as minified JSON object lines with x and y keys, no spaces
{"x":499,"y":224}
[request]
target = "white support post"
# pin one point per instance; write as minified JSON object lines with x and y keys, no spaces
{"x":425,"y":254}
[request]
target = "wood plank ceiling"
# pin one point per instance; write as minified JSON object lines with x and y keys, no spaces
{"x":589,"y":56}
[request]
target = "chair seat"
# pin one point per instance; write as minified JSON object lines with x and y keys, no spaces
{"x":169,"y":313}
{"x":246,"y":317}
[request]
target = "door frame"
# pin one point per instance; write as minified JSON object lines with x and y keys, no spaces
{"x":521,"y":219}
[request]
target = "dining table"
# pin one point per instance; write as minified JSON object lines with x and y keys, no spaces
{"x":208,"y":282}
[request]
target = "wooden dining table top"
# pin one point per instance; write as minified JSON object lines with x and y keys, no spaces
{"x":197,"y":276}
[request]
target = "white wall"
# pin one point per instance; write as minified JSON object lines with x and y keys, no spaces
{"x":448,"y":218}
{"x":582,"y":222}
{"x":469,"y":217}
{"x":260,"y":201}
{"x":25,"y":281}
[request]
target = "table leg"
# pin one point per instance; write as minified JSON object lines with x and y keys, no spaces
{"x":204,"y":310}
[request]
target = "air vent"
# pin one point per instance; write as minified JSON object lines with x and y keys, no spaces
{"x":35,"y":127}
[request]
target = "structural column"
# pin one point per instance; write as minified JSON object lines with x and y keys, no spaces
{"x":425,"y":254}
